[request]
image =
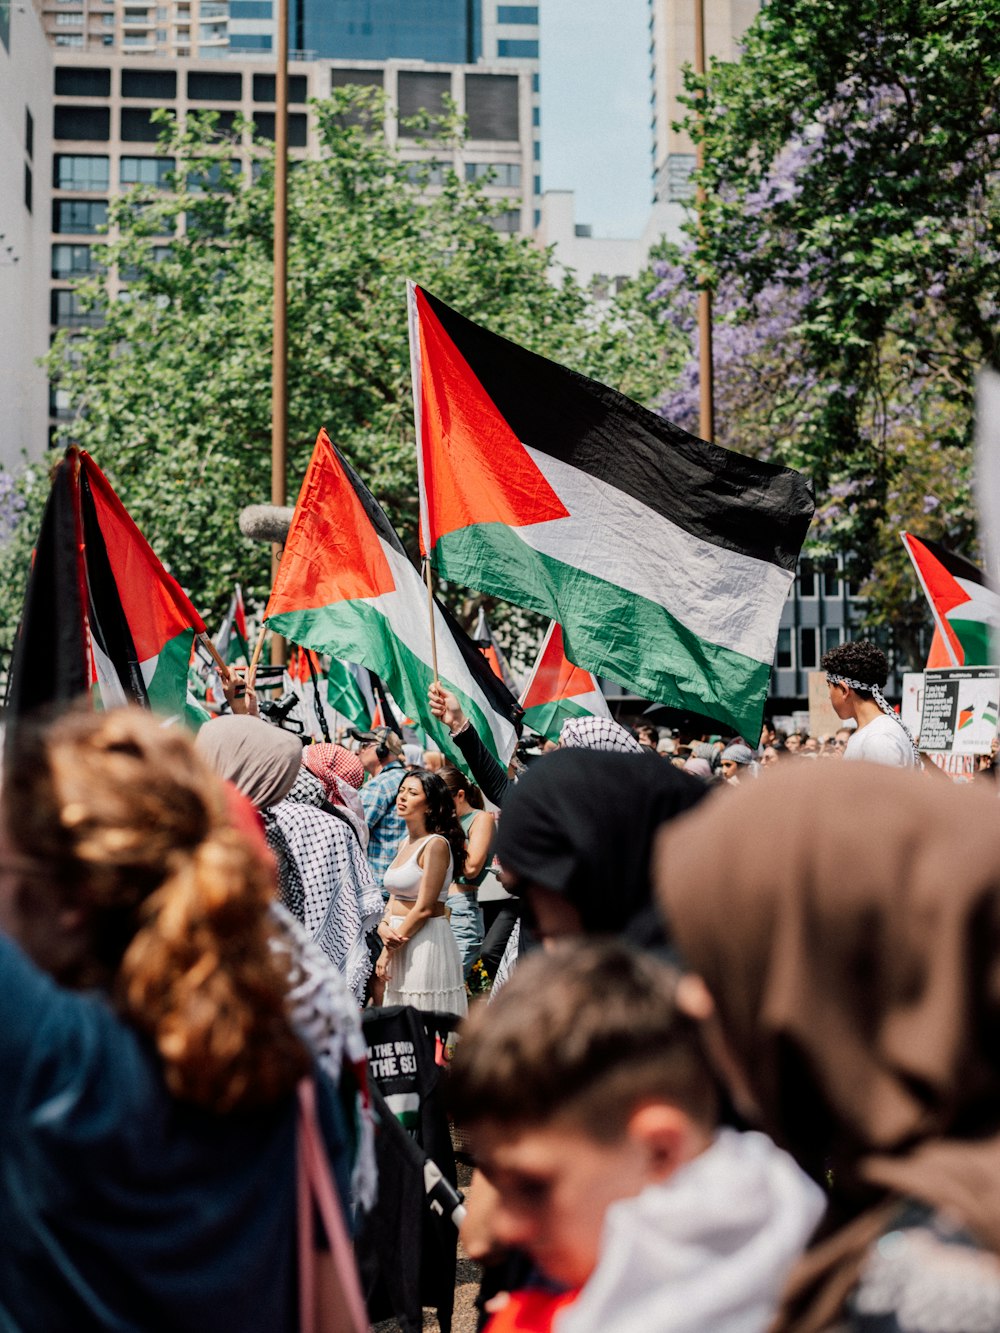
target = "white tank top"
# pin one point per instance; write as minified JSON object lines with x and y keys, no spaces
{"x":403,"y":881}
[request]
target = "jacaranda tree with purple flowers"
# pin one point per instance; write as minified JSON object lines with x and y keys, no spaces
{"x":852,"y":158}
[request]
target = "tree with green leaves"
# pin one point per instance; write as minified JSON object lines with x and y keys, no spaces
{"x":852,"y":161}
{"x":172,"y":391}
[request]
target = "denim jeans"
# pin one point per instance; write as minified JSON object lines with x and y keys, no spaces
{"x":467,"y":926}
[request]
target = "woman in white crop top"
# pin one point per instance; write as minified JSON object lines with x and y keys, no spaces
{"x":420,"y":960}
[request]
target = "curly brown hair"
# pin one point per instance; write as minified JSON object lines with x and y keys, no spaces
{"x":123,"y":830}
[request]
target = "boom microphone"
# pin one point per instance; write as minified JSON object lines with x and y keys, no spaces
{"x":266,"y":523}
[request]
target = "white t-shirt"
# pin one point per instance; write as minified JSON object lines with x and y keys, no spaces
{"x":881,"y":741}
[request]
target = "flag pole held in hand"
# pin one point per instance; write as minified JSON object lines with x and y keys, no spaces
{"x":252,"y":673}
{"x":430,"y":613}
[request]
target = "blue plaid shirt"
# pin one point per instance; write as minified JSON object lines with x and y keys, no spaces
{"x":386,"y":829}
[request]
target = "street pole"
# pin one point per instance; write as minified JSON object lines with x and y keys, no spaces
{"x":706,"y":413}
{"x":279,"y":353}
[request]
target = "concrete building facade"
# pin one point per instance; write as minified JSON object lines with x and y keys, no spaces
{"x":25,"y":173}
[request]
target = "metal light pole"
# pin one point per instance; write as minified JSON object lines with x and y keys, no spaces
{"x":706,"y":414}
{"x":279,"y":353}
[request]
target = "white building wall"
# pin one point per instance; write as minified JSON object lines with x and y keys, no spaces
{"x":601,"y":263}
{"x":25,"y":172}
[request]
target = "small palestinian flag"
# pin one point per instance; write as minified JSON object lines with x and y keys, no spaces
{"x":966,"y":716}
{"x":231,"y":640}
{"x":485,"y":640}
{"x":349,"y":693}
{"x":964,"y":608}
{"x":116,"y":618}
{"x":346,"y":587}
{"x":557,"y":690}
{"x":666,"y":560}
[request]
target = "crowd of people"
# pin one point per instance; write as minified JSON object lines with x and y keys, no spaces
{"x":728,"y":1058}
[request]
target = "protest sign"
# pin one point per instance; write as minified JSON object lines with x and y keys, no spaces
{"x":959,"y":710}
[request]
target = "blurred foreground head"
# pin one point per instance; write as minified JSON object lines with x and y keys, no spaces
{"x":846,"y":920}
{"x":120,"y":871}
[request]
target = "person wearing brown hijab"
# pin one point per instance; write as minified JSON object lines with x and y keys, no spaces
{"x":856,"y":990}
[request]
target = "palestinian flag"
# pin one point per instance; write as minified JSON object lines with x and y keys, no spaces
{"x":485,"y":640}
{"x":349,"y":693}
{"x":558,"y":690}
{"x":964,"y":608}
{"x":666,"y":560}
{"x":346,"y":587}
{"x":119,"y":621}
{"x":231,"y":640}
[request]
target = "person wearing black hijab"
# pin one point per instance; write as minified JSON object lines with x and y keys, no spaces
{"x":576,"y":834}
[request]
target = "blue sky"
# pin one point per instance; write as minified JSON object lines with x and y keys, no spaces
{"x":595,"y":110}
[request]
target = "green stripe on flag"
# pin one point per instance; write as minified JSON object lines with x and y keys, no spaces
{"x":358,"y":632}
{"x":610,"y":631}
{"x":547,"y":719}
{"x":167,"y":689}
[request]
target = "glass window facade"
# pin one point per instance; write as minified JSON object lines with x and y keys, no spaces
{"x":205,"y":87}
{"x":491,"y":106}
{"x":152,"y":84}
{"x":517,"y":48}
{"x":436,"y":30}
{"x":79,"y":217}
{"x":80,"y":172}
{"x":264,"y":87}
{"x":495,"y":173}
{"x":152,"y":171}
{"x":82,"y":122}
{"x":68,"y":261}
{"x":67,"y":312}
{"x":72,"y":81}
{"x":517,"y":14}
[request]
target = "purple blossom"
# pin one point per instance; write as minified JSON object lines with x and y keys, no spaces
{"x":931,"y":503}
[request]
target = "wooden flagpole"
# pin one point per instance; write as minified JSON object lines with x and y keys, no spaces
{"x":430,"y":615}
{"x":214,"y":653}
{"x":252,"y":671}
{"x":706,"y":383}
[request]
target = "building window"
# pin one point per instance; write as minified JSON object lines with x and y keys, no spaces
{"x":82,"y":172}
{"x":494,"y":173}
{"x":68,"y":261}
{"x":107,"y":21}
{"x":508,"y":221}
{"x":249,"y":41}
{"x":250,"y":9}
{"x":69,"y":20}
{"x":264,"y":87}
{"x":808,"y":655}
{"x":77,"y":81}
{"x":297,"y":128}
{"x":29,"y":189}
{"x":68,"y":313}
{"x":517,"y":49}
{"x":153,"y":171}
{"x":491,"y":106}
{"x":29,"y":133}
{"x":536,"y":116}
{"x":832,"y":637}
{"x":536,"y":151}
{"x":203,"y":87}
{"x":153,"y":85}
{"x":5,"y":24}
{"x":831,"y":580}
{"x":420,"y":92}
{"x":517,"y":14}
{"x":137,"y":125}
{"x":79,"y":217}
{"x":536,"y":83}
{"x":69,"y":39}
{"x":425,"y":173}
{"x":538,"y":185}
{"x":807,"y":579}
{"x":82,"y":122}
{"x":783,"y":656}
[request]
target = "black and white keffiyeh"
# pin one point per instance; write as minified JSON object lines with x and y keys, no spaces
{"x":340,"y":899}
{"x":882,"y":703}
{"x":597,"y":733}
{"x":326,"y":1016}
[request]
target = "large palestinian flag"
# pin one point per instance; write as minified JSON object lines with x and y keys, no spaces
{"x":100,"y":610}
{"x":346,"y":587}
{"x":665,"y":559}
{"x":486,"y":641}
{"x":349,"y":693}
{"x":557,"y":690}
{"x":231,"y":640}
{"x":964,"y":608}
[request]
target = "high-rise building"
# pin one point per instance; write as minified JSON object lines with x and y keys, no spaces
{"x":671,"y":47}
{"x":25,"y":172}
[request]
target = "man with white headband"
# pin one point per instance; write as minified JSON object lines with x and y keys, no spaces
{"x":855,"y":675}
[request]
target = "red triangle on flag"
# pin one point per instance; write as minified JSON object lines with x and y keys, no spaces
{"x":332,"y":553}
{"x":475,"y":469}
{"x":156,"y":607}
{"x":554,"y":676}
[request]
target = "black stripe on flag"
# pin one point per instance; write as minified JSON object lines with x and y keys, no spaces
{"x":51,"y":662}
{"x":108,"y":623}
{"x":721,"y":497}
{"x":956,"y":565}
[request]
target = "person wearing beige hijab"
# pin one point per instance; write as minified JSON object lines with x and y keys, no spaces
{"x":853,"y":1006}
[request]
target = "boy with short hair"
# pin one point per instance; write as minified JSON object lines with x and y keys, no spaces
{"x":855,"y":675}
{"x":584,"y":1086}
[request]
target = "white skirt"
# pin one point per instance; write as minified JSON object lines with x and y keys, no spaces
{"x":427,"y":971}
